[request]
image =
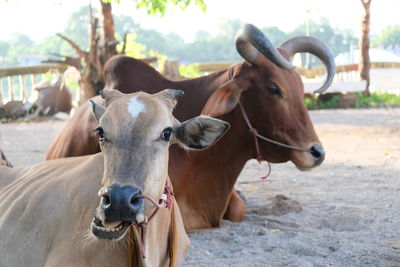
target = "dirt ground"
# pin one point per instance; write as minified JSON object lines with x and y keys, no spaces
{"x":344,"y":213}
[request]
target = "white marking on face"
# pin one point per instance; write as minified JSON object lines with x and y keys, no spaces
{"x":135,"y":107}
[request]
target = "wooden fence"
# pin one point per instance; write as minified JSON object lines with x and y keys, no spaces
{"x":347,"y":79}
{"x":17,"y":83}
{"x":306,"y":73}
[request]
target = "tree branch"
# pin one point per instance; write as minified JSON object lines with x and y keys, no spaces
{"x":124,"y":43}
{"x":74,"y":62}
{"x":366,"y":3}
{"x":80,"y":52}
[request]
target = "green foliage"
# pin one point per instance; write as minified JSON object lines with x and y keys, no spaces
{"x":190,"y":71}
{"x":337,"y":40}
{"x":275,"y":35}
{"x":315,"y":103}
{"x":378,"y":100}
{"x":389,"y":36}
{"x":19,"y":45}
{"x":4,"y":46}
{"x":374,"y":100}
{"x":158,"y":7}
{"x":310,"y":103}
{"x":331,"y":103}
{"x":133,"y":49}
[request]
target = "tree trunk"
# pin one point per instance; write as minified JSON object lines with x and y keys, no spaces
{"x":365,"y":64}
{"x":101,"y":48}
{"x":108,"y":43}
{"x":92,"y":72}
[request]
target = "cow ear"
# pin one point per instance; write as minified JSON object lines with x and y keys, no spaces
{"x":200,"y":132}
{"x":98,"y":110}
{"x":224,"y":99}
{"x":170,"y":96}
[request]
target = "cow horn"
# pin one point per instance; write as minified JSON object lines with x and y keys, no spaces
{"x":307,"y":44}
{"x":250,"y":41}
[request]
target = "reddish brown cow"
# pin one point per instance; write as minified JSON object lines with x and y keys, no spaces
{"x":270,"y":93}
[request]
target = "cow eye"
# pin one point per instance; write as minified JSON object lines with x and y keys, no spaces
{"x":275,"y":91}
{"x":100,"y":133}
{"x":166,"y":134}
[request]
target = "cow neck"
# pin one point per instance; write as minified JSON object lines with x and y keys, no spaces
{"x":166,"y":200}
{"x":213,"y":184}
{"x":229,"y":163}
{"x":200,"y":91}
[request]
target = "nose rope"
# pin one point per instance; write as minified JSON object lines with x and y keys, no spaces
{"x":256,"y":135}
{"x":166,"y":200}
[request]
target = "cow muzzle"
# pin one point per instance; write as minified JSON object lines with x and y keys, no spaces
{"x":309,"y":159}
{"x":318,"y":154}
{"x":119,"y":207}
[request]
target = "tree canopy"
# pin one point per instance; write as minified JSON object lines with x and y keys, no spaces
{"x":388,"y":37}
{"x":158,"y":7}
{"x":205,"y":46}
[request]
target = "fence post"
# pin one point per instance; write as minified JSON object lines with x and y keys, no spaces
{"x":33,"y":82}
{"x":22,"y":87}
{"x":10,"y":88}
{"x":1,"y":91}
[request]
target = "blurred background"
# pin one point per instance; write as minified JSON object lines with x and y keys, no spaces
{"x":40,"y":41}
{"x":52,"y":55}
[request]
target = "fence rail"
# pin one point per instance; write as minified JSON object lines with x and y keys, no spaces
{"x":306,"y":73}
{"x":16,"y":83}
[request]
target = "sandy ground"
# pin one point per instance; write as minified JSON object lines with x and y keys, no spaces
{"x":344,"y":213}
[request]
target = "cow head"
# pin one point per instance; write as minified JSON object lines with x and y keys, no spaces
{"x":134,"y":132}
{"x":271,"y":93}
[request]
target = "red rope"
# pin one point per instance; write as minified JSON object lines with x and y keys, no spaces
{"x":259,"y":158}
{"x":252,"y":130}
{"x":168,"y":203}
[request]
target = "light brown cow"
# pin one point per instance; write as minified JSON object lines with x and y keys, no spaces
{"x":53,"y":97}
{"x":48,"y":214}
{"x":265,"y":87}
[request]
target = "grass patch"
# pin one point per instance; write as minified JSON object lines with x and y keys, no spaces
{"x":323,"y":103}
{"x":377,"y":100}
{"x":374,"y":100}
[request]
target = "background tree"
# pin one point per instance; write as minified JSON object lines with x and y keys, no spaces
{"x":103,"y":45}
{"x":365,"y":64}
{"x":389,"y":37}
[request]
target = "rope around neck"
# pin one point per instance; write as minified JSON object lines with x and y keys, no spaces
{"x":256,"y":135}
{"x":254,"y":132}
{"x":166,"y":201}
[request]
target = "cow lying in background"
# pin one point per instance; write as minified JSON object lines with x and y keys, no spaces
{"x":53,"y":97}
{"x":50,"y":213}
{"x":263,"y":93}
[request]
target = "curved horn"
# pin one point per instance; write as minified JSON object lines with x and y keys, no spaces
{"x":250,"y":41}
{"x":307,"y":44}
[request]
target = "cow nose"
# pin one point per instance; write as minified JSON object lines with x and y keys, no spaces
{"x":318,"y":154}
{"x":121,"y":203}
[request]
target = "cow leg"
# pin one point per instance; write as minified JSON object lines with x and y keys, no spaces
{"x":236,"y":208}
